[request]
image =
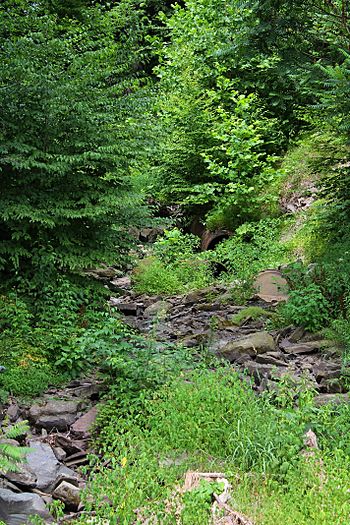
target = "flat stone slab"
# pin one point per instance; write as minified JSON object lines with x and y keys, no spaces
{"x":253,"y":344}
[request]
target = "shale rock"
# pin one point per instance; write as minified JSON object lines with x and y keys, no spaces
{"x":69,"y":494}
{"x":82,"y":427}
{"x":55,"y":414}
{"x":15,"y":509}
{"x":42,"y":469}
{"x":334,"y":399}
{"x":252,"y":345}
{"x":160,"y":308}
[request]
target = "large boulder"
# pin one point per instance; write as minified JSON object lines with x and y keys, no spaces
{"x":15,"y":509}
{"x":42,"y":469}
{"x":251,"y":345}
{"x":55,"y":414}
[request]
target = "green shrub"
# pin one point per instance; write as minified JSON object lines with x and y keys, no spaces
{"x":175,"y":267}
{"x":253,"y":247}
{"x":154,"y":277}
{"x":307,"y":307}
{"x":175,"y":246}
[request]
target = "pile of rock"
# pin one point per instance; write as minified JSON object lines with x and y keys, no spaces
{"x":204,"y":317}
{"x":61,"y":426}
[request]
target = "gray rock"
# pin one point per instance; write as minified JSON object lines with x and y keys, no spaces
{"x":259,"y":371}
{"x":122,"y":283}
{"x":55,"y":414}
{"x":271,"y":358}
{"x":42,"y":462}
{"x":82,"y":427}
{"x":15,"y":509}
{"x":298,"y":348}
{"x":105,"y":273}
{"x":159,"y":309}
{"x":69,"y":494}
{"x":60,"y":453}
{"x":296,"y":334}
{"x":126,"y":307}
{"x":327,"y":370}
{"x":254,"y":344}
{"x":332,"y":386}
{"x":13,"y":412}
{"x":24,"y":478}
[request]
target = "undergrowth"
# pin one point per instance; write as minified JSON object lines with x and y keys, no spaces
{"x":209,"y":420}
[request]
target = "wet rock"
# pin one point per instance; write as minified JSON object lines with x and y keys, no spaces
{"x":254,"y":344}
{"x":69,"y":494}
{"x":82,"y":427}
{"x":55,"y":414}
{"x":15,"y":509}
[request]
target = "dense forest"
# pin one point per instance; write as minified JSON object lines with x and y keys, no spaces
{"x":156,"y":161}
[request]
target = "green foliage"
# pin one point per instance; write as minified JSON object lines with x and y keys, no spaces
{"x":211,"y":420}
{"x":254,"y":247}
{"x":39,"y":328}
{"x":175,"y":268}
{"x":11,"y":455}
{"x":175,"y":245}
{"x":308,"y":308}
{"x":67,"y":138}
{"x":197,"y":502}
{"x":252,"y":312}
{"x":314,"y":492}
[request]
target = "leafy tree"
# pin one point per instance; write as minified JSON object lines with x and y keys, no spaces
{"x":70,"y":90}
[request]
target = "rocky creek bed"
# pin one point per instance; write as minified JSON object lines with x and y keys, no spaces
{"x":60,"y":430}
{"x":61,"y":420}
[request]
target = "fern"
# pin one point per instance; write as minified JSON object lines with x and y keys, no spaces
{"x":11,"y":455}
